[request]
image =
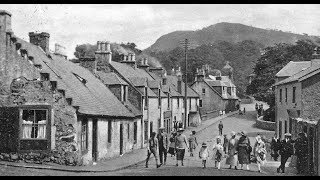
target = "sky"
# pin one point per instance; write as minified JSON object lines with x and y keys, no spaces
{"x":74,"y":24}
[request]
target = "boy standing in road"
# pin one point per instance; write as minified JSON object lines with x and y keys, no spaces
{"x":153,"y":149}
{"x":220,"y":126}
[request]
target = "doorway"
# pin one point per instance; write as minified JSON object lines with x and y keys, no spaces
{"x":94,"y":140}
{"x":121,"y":139}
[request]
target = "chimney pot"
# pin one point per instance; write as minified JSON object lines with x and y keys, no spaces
{"x":108,"y":49}
{"x":5,"y":20}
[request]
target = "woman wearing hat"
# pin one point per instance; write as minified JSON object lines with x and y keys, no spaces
{"x":204,"y":154}
{"x":172,"y":144}
{"x":260,"y":152}
{"x":180,"y":144}
{"x":232,"y":158}
{"x":244,"y":150}
{"x":192,"y":142}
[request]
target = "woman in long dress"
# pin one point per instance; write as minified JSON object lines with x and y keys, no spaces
{"x":260,"y":152}
{"x":172,"y":144}
{"x":218,"y":153}
{"x":232,"y":158}
{"x":192,"y":142}
{"x":243,"y":150}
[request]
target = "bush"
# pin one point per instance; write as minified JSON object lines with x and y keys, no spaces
{"x":269,"y":115}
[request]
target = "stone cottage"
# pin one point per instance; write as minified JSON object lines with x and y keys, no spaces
{"x":53,"y":110}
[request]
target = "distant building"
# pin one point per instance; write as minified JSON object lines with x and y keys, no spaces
{"x":217,"y":93}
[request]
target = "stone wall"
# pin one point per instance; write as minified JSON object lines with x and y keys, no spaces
{"x":64,"y":149}
{"x":310,"y":97}
{"x":266,"y":125}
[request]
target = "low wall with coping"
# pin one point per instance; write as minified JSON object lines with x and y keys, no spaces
{"x":209,"y":115}
{"x":265,"y":125}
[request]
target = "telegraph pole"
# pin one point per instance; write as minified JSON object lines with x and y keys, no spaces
{"x":186,"y":46}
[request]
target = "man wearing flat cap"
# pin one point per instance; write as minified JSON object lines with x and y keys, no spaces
{"x":163,"y":145}
{"x":286,"y":151}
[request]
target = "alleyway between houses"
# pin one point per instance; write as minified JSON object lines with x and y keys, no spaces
{"x":192,"y":165}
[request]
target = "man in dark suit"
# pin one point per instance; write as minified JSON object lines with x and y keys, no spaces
{"x":286,"y":151}
{"x":163,"y":145}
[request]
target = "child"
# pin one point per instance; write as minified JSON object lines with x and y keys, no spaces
{"x":218,"y":148}
{"x":192,"y":142}
{"x":204,"y":154}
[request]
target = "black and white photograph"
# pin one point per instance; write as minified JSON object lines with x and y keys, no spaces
{"x":159,"y":89}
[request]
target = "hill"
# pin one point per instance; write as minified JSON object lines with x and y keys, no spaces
{"x":229,"y":32}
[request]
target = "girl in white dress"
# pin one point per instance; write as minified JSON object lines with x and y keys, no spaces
{"x":204,"y":154}
{"x":218,"y":149}
{"x":260,"y":152}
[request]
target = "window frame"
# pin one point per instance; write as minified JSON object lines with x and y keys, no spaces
{"x":84,"y":141}
{"x":200,"y":103}
{"x":280,"y":95}
{"x":203,"y":91}
{"x":294,"y":94}
{"x":286,"y":98}
{"x":48,"y":108}
{"x":109,"y":138}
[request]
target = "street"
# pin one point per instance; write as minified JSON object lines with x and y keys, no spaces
{"x":192,"y":165}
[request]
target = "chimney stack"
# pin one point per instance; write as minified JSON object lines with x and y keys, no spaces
{"x":103,"y":55}
{"x":316,"y":53}
{"x":60,"y":50}
{"x":144,"y":64}
{"x":5,"y":21}
{"x":129,"y":60}
{"x":40,"y":39}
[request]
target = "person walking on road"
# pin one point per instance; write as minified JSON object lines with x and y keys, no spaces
{"x":152,"y":149}
{"x":218,"y":149}
{"x":274,"y":148}
{"x":172,"y":144}
{"x":220,"y":127}
{"x":204,"y":154}
{"x":181,"y":144}
{"x":192,"y":142}
{"x":225,"y":143}
{"x":163,"y":145}
{"x":244,"y":110}
{"x":232,"y":157}
{"x":286,"y":151}
{"x":301,"y":151}
{"x":260,"y":152}
{"x":244,"y":150}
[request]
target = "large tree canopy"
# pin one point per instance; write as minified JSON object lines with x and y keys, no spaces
{"x":271,"y":62}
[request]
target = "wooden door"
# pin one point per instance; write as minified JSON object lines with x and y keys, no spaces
{"x":121,"y":139}
{"x":94,"y":140}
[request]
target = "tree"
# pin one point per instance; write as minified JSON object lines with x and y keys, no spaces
{"x":274,"y":59}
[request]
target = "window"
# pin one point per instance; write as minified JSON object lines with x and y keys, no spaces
{"x":84,"y":135}
{"x":200,"y":103}
{"x":109,"y":131}
{"x":178,"y":102}
{"x":124,"y":93}
{"x":146,"y":97}
{"x":128,"y":131}
{"x":280,"y":99}
{"x":135,"y":132}
{"x":290,"y":125}
{"x":285,"y":126}
{"x":168,"y":101}
{"x":145,"y":131}
{"x":286,"y":95}
{"x":34,"y":123}
{"x":190,"y":104}
{"x":151,"y":127}
{"x":203,"y":91}
{"x":159,"y":98}
{"x":294,"y":95}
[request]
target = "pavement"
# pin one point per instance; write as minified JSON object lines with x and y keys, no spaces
{"x":127,"y":160}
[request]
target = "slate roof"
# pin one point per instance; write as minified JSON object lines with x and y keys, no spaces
{"x":137,"y":77}
{"x":215,"y":83}
{"x":292,"y":68}
{"x":92,"y":97}
{"x":301,"y":75}
{"x":174,"y":81}
{"x":110,"y":78}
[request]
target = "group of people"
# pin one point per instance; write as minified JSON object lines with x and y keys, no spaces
{"x":162,"y":144}
{"x":288,"y":147}
{"x":259,"y":109}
